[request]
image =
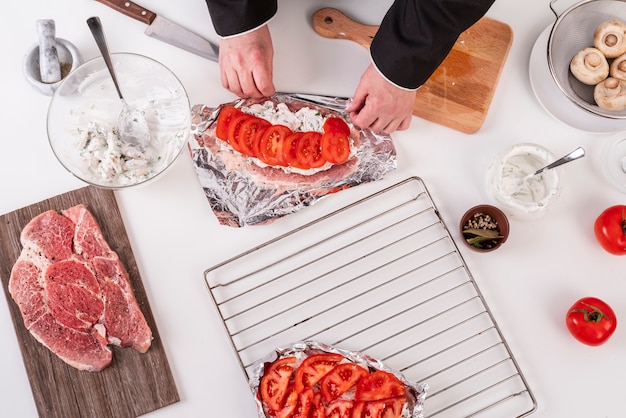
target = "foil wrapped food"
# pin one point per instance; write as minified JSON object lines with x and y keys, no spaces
{"x":243,"y":192}
{"x":416,"y":392}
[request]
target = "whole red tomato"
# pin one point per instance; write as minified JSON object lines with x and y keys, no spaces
{"x":610,"y":229}
{"x":591,"y":321}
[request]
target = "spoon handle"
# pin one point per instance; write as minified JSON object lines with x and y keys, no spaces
{"x":574,"y":155}
{"x":98,"y":34}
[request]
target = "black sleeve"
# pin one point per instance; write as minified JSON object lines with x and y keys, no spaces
{"x":231,"y":17}
{"x":415,"y":36}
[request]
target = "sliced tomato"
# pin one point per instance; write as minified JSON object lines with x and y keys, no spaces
{"x":341,"y":378}
{"x":339,"y":408}
{"x":305,"y":403}
{"x":313,"y":368}
{"x":234,"y":129}
{"x":335,"y":124}
{"x":290,"y":149}
{"x":289,"y":408}
{"x":227,"y":113}
{"x":384,"y":408}
{"x":275,"y":382}
{"x":317,"y":410}
{"x":249,"y":133}
{"x":335,"y":147}
{"x":271,"y":144}
{"x":379,"y":385}
{"x":309,"y":150}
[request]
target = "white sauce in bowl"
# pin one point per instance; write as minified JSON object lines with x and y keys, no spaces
{"x":82,"y":122}
{"x":521,"y":196}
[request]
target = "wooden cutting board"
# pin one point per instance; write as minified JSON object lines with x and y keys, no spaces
{"x":134,"y":384}
{"x":459,"y":92}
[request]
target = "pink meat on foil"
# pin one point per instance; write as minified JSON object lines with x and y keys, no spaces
{"x":73,"y":291}
{"x":242,"y":192}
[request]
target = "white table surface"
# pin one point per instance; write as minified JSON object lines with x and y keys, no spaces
{"x":529,"y":283}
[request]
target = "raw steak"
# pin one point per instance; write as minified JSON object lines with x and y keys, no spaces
{"x":73,"y":291}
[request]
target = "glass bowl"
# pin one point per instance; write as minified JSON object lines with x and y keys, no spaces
{"x":614,"y":161}
{"x":82,"y":121}
{"x":517,"y":196}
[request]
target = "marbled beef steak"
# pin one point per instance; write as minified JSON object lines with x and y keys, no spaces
{"x":73,"y":292}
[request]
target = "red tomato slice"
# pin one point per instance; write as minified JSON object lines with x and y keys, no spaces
{"x":275,"y":382}
{"x":291,"y":401}
{"x":379,"y":385}
{"x":339,"y":408}
{"x":223,"y":121}
{"x":290,"y":148}
{"x":234,"y":129}
{"x":305,"y":404}
{"x":335,"y":147}
{"x":334,"y":124}
{"x":341,"y":378}
{"x":385,"y":408}
{"x":317,"y":410}
{"x":313,"y":368}
{"x":271,"y":144}
{"x":248,"y":135}
{"x":309,"y":150}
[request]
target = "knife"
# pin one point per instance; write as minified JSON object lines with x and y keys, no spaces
{"x":165,"y":30}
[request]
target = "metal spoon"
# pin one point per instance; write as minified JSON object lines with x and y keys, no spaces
{"x":131,"y":123}
{"x":574,"y":155}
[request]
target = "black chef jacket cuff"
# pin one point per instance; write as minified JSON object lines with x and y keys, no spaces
{"x":234,"y":17}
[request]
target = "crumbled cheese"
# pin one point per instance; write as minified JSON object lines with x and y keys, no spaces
{"x":304,"y":119}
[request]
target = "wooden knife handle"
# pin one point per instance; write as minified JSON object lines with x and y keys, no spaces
{"x":131,"y":9}
{"x":331,"y":23}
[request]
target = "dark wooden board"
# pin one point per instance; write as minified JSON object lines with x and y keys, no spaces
{"x":134,"y":384}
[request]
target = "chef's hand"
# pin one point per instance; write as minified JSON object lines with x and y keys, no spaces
{"x":379,"y":105}
{"x":246,"y":64}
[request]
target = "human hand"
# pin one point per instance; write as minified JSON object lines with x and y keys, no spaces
{"x":246,"y":64}
{"x":379,"y":105}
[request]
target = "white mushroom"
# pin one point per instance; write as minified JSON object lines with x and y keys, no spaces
{"x":610,"y":94}
{"x":589,"y":66}
{"x":610,"y":38}
{"x":617,"y":68}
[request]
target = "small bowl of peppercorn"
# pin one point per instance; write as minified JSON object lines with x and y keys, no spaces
{"x":484,"y":228}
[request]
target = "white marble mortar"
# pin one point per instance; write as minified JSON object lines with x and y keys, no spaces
{"x":69,"y":59}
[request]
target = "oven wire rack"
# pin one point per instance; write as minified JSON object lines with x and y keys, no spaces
{"x":381,"y":276}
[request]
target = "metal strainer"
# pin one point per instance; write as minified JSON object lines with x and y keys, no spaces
{"x":572,"y":31}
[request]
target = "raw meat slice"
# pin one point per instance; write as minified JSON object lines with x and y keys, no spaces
{"x":73,"y":291}
{"x":123,"y":320}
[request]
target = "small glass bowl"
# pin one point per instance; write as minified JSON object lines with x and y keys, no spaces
{"x":493,"y":216}
{"x":521,"y":197}
{"x":614,"y":161}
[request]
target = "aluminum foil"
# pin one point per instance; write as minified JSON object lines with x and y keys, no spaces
{"x":241,"y":192}
{"x":416,"y":392}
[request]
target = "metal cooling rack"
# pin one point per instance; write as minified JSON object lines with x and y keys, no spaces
{"x":381,"y":276}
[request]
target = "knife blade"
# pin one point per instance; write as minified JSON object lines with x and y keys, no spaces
{"x":165,"y":30}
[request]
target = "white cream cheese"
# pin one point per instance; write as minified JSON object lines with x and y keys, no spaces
{"x":97,"y":152}
{"x":514,"y":182}
{"x":110,"y":160}
{"x":304,"y":119}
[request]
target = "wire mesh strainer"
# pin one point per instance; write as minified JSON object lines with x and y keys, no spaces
{"x":572,"y":31}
